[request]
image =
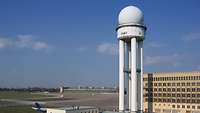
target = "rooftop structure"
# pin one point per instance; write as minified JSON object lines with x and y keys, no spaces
{"x":73,"y":109}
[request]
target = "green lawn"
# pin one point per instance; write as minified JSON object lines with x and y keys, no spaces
{"x":17,"y":109}
{"x":12,"y":107}
{"x":18,"y":95}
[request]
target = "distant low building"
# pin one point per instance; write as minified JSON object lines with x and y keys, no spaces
{"x":74,"y":109}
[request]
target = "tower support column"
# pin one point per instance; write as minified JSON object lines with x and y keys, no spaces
{"x":133,"y":76}
{"x":129,"y":75}
{"x":140,"y":77}
{"x":121,"y":74}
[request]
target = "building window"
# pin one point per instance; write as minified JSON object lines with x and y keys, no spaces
{"x":188,"y":100}
{"x":193,"y":83}
{"x":178,"y":84}
{"x":183,"y":106}
{"x":198,"y":107}
{"x":181,"y":78}
{"x":188,"y":106}
{"x":188,"y":89}
{"x":178,"y":101}
{"x":150,"y":100}
{"x":192,"y":77}
{"x":178,"y":106}
{"x":146,"y":99}
{"x":183,"y":100}
{"x":183,"y":84}
{"x":183,"y":89}
{"x":155,"y":100}
{"x":173,"y":106}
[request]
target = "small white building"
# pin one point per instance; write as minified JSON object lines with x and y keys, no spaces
{"x":74,"y":109}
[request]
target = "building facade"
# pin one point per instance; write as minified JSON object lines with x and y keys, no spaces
{"x":173,"y":92}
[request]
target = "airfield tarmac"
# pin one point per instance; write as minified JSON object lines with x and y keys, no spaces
{"x":103,"y":101}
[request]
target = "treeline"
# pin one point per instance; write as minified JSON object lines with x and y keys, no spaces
{"x":33,"y":89}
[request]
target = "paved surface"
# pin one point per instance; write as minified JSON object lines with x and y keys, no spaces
{"x":104,"y":101}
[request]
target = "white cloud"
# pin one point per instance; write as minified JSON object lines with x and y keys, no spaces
{"x":4,"y":43}
{"x":40,"y":45}
{"x":192,"y":36}
{"x":171,"y":60}
{"x":23,"y":41}
{"x":108,"y":48}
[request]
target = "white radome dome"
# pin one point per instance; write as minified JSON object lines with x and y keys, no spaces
{"x":130,"y":15}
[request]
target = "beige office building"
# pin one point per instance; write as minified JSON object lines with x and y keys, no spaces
{"x":172,"y":92}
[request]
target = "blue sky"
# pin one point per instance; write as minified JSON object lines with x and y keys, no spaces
{"x":73,"y":42}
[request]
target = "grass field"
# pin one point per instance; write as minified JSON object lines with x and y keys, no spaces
{"x":103,"y":101}
{"x":17,"y":109}
{"x":19,"y":95}
{"x":12,"y":107}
